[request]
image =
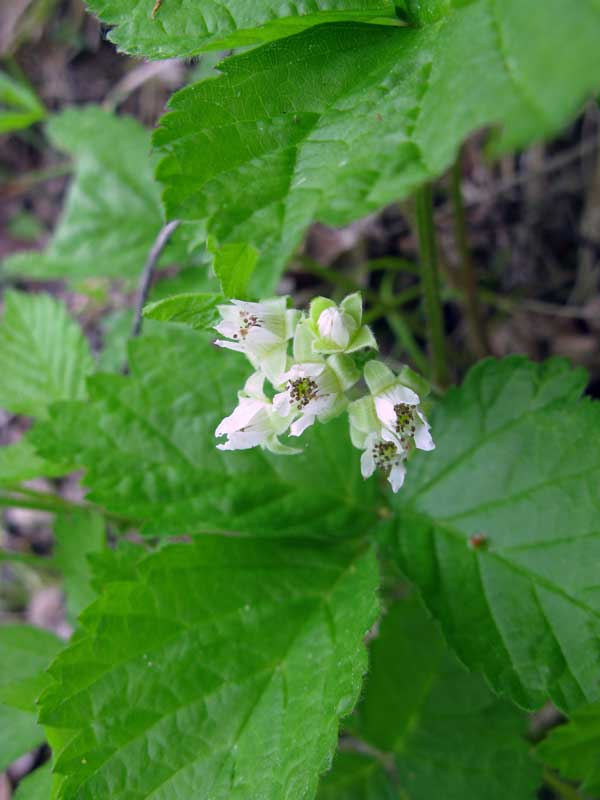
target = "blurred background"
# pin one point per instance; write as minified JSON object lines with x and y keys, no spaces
{"x":532,"y":237}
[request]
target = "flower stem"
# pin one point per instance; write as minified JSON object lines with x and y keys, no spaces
{"x":563,"y":790}
{"x":477,"y":332}
{"x":430,"y":285}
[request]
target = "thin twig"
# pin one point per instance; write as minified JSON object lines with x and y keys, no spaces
{"x":148,"y":273}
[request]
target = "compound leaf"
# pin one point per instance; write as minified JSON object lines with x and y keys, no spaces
{"x":196,"y":309}
{"x":44,"y":356}
{"x":183,"y":679}
{"x":341,"y":119}
{"x":498,"y":527}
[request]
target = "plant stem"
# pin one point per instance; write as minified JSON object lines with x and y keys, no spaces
{"x":477,"y":332}
{"x":562,"y":789}
{"x":430,"y":285}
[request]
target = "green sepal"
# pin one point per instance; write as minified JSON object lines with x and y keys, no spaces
{"x":352,"y":305}
{"x":363,"y":420}
{"x":317,"y":306}
{"x":345,"y":370}
{"x":378,"y":377}
{"x":411,"y":379}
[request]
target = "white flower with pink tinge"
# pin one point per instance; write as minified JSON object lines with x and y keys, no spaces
{"x":312,"y":391}
{"x":254,"y":422}
{"x":259,"y":330}
{"x":385,"y":456}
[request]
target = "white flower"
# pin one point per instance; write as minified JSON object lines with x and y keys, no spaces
{"x":259,"y":330}
{"x":338,"y":329}
{"x":312,"y":391}
{"x":385,"y":456}
{"x":254,"y":422}
{"x":397,"y":406}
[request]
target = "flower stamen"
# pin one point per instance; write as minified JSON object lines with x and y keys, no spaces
{"x":302,"y":391}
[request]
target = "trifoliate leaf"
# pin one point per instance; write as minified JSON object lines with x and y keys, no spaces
{"x":37,"y":785}
{"x":44,"y":356}
{"x":339,"y":120}
{"x":498,"y":527}
{"x":25,"y":652}
{"x":148,"y":445}
{"x":112,"y":213}
{"x":196,"y":309}
{"x":573,"y":748}
{"x":186,"y":683}
{"x":176,"y":29}
{"x":437,"y":724}
{"x":77,"y":535}
{"x":19,"y":462}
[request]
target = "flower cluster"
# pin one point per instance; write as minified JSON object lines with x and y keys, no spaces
{"x":313,"y":383}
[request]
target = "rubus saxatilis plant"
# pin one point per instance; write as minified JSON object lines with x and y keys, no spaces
{"x":253,"y":619}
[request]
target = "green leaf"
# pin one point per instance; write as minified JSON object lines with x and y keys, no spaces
{"x":37,"y":785}
{"x":498,"y":528}
{"x":77,"y":535}
{"x":43,"y":354}
{"x":337,"y":121}
{"x":25,"y":652}
{"x":191,"y":679}
{"x":233,"y":265}
{"x":112,"y":213}
{"x":19,"y":462}
{"x":177,"y":29}
{"x":20,"y":107}
{"x":196,"y":309}
{"x":356,"y":776}
{"x":437,"y":723}
{"x":573,"y":748}
{"x":147,"y":442}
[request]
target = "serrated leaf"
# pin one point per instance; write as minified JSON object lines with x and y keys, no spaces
{"x":196,"y":309}
{"x":44,"y":356}
{"x":438,"y":724}
{"x":25,"y":652}
{"x":176,"y":29}
{"x":112,"y":214}
{"x":37,"y":785}
{"x":256,"y":678}
{"x":233,"y":265}
{"x":573,"y":748}
{"x":498,"y":529}
{"x":20,"y":462}
{"x":77,"y":535}
{"x":147,"y":442}
{"x":339,"y":120}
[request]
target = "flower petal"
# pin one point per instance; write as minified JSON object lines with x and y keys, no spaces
{"x":229,"y":345}
{"x":306,"y":420}
{"x":423,"y":438}
{"x":397,"y":475}
{"x":367,"y":463}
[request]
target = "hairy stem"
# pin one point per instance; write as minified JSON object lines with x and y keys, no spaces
{"x":477,"y":332}
{"x":430,"y":285}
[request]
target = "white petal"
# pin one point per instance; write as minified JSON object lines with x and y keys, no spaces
{"x":298,"y":427}
{"x":229,"y":345}
{"x":241,"y":416}
{"x":228,"y":329}
{"x":423,"y":438}
{"x":401,"y":394}
{"x":384,"y":408}
{"x":332,"y":326}
{"x":367,"y":463}
{"x":244,"y":440}
{"x":254,"y":386}
{"x":281,"y":404}
{"x":396,"y":476}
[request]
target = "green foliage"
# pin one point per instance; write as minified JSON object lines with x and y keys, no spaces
{"x":44,"y":357}
{"x":337,"y":121}
{"x":188,"y":693}
{"x":77,"y":535}
{"x":196,"y":309}
{"x":357,"y":776}
{"x":498,"y":529}
{"x":37,"y":785}
{"x":573,"y":748}
{"x":25,"y":652}
{"x":438,"y":724}
{"x":147,"y":442}
{"x":20,"y":462}
{"x":20,"y":107}
{"x":233,"y":265}
{"x":178,"y":29}
{"x":112,"y":213}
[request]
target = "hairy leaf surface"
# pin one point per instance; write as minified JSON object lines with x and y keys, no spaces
{"x":44,"y":356}
{"x":184,"y":28}
{"x":147,"y":442}
{"x":341,"y":119}
{"x":181,"y":655}
{"x":499,"y":529}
